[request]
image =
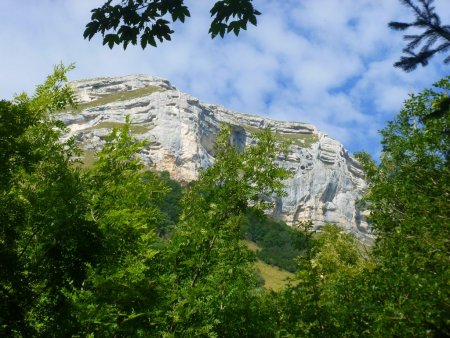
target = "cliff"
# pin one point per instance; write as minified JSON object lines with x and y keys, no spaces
{"x":326,"y":184}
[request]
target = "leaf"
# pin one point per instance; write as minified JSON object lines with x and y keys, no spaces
{"x":91,"y":29}
{"x":144,"y":42}
{"x":110,"y":40}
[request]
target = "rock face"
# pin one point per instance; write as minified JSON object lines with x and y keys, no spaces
{"x":326,"y":184}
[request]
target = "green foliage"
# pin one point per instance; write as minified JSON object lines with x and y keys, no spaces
{"x":80,"y":253}
{"x":334,"y":250}
{"x":414,"y":163}
{"x":122,"y":22}
{"x":408,"y":198}
{"x":223,"y":10}
{"x":75,"y":246}
{"x":117,"y":295}
{"x":51,"y":96}
{"x":322,"y":302}
{"x":400,"y":287}
{"x":212,"y":279}
{"x":45,"y":239}
{"x":279,"y":243}
{"x":170,"y":204}
{"x":79,"y":248}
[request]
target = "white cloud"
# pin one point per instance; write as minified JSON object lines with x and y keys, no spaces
{"x":326,"y":62}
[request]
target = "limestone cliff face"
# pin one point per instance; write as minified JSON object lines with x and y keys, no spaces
{"x":326,"y":184}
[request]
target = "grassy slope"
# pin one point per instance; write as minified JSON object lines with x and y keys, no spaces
{"x":134,"y":128}
{"x":120,"y":96}
{"x":304,"y":140}
{"x":274,"y":278}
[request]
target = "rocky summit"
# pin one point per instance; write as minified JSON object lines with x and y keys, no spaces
{"x":326,"y":181}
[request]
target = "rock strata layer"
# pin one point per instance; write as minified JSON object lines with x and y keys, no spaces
{"x":326,"y":183}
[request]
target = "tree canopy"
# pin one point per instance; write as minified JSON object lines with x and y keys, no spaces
{"x":92,"y":251}
{"x":399,"y":287}
{"x":408,"y":197}
{"x":79,"y":247}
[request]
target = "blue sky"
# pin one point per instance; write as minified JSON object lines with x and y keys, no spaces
{"x":325,"y":62}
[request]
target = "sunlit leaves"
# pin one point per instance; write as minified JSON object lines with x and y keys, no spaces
{"x":44,"y":234}
{"x":408,"y":199}
{"x":123,"y":203}
{"x":214,"y":285}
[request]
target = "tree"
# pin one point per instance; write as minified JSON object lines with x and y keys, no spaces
{"x":45,"y":239}
{"x":76,"y":245}
{"x":433,"y":40}
{"x":279,"y":243}
{"x":170,"y":205}
{"x":118,"y":292}
{"x":212,"y":284}
{"x":121,"y":22}
{"x":408,"y":198}
{"x":324,"y":300}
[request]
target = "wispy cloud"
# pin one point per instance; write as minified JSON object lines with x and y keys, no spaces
{"x":326,"y":62}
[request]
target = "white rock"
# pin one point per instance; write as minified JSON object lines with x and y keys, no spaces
{"x":326,"y":184}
